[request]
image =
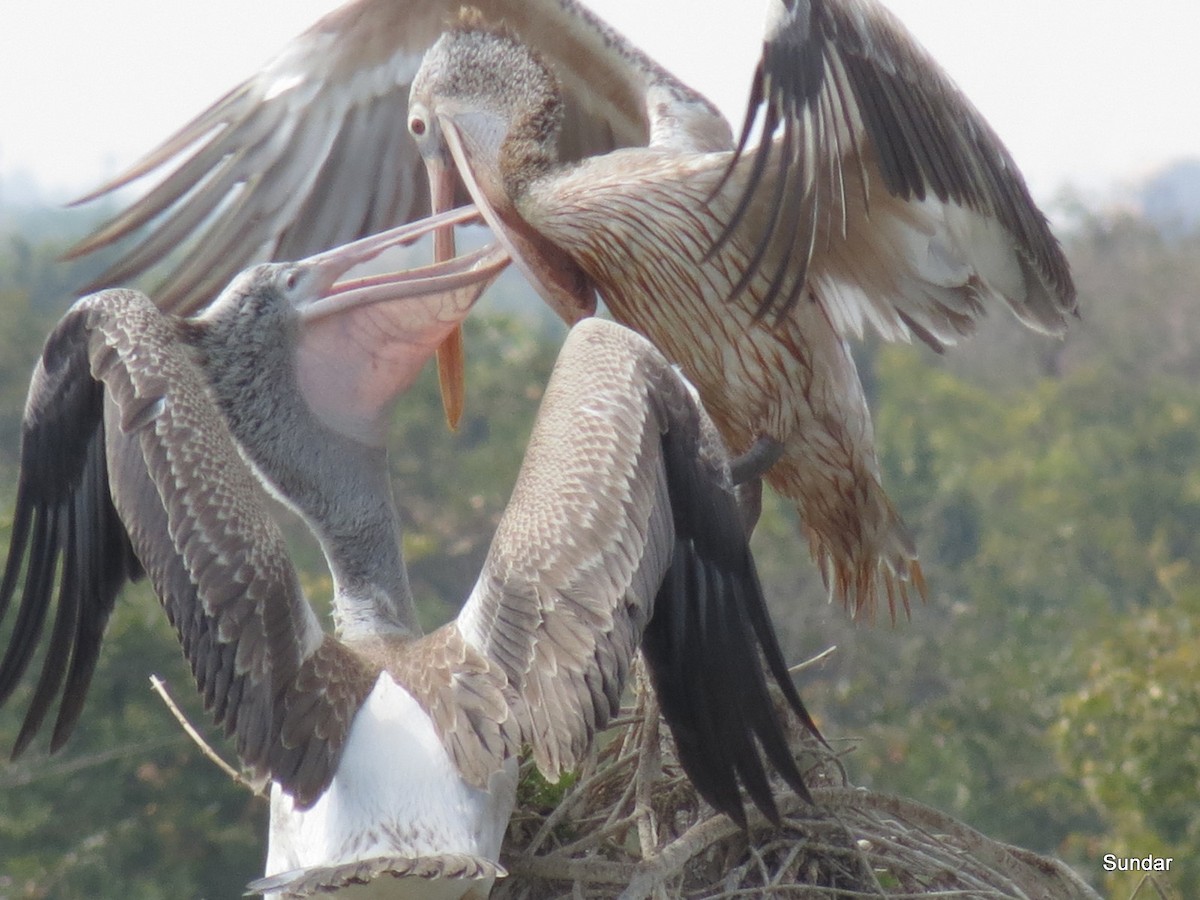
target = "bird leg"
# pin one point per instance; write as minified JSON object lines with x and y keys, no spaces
{"x":757,"y":461}
{"x":749,"y":500}
{"x":747,"y":473}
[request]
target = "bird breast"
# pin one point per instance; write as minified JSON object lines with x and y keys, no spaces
{"x":640,"y":223}
{"x":417,"y":804}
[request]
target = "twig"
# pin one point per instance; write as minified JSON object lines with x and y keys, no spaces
{"x":649,"y":766}
{"x":813,"y":660}
{"x":1153,"y":882}
{"x":554,"y":868}
{"x":160,"y":688}
{"x":600,"y":776}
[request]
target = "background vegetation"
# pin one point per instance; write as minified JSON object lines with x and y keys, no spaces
{"x":1048,"y":693}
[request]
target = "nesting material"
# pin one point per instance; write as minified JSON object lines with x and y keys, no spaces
{"x":631,"y":826}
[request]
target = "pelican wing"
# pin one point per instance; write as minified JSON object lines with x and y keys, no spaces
{"x":467,"y":696}
{"x":623,"y":530}
{"x":125,"y":457}
{"x":63,"y":511}
{"x":884,"y":189}
{"x":314,"y":151}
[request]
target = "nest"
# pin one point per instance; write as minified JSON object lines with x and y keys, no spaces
{"x":631,"y":826}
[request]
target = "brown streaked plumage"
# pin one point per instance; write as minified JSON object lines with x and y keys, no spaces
{"x":623,"y":531}
{"x":883,"y":197}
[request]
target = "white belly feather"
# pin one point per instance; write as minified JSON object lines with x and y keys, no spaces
{"x":396,"y":793}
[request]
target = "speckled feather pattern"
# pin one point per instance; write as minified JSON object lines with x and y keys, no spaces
{"x":224,"y":577}
{"x":883,"y":198}
{"x":795,"y":381}
{"x":568,"y":584}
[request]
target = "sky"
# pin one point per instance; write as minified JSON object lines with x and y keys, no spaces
{"x":1086,"y":93}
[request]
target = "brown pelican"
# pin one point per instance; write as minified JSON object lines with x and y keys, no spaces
{"x":877,"y":195}
{"x":392,"y":754}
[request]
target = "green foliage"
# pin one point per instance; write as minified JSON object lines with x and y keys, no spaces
{"x":129,"y":807}
{"x":1131,"y":733}
{"x":1046,"y":693}
{"x":20,"y":340}
{"x":535,"y":791}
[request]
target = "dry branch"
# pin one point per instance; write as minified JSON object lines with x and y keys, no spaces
{"x":852,"y":843}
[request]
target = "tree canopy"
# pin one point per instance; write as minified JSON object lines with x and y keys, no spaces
{"x":1047,"y":693}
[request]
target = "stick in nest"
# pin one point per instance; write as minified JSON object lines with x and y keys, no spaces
{"x":852,"y":843}
{"x":259,"y":789}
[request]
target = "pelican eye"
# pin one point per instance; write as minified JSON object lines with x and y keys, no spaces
{"x":292,"y":279}
{"x":417,"y":126}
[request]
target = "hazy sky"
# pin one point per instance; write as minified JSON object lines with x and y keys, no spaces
{"x":1085,"y":92}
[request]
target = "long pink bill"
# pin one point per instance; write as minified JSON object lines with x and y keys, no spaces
{"x":331,"y":265}
{"x":363,"y":341}
{"x":451,"y":356}
{"x":555,"y":276}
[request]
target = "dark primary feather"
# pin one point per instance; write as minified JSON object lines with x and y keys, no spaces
{"x":706,"y":643}
{"x":826,"y":63}
{"x":64,"y":517}
{"x":126,"y":458}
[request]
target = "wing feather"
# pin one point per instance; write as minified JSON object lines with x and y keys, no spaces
{"x":313,"y":151}
{"x":468,"y":698}
{"x":62,"y":512}
{"x":127,"y":466}
{"x":624,"y":531}
{"x":901,"y":168}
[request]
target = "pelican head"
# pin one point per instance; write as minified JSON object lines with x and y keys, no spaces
{"x":483,"y":90}
{"x":485,"y":105}
{"x":306,"y":364}
{"x":347,"y":347}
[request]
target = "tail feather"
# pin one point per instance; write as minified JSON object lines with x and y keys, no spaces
{"x":865,"y":566}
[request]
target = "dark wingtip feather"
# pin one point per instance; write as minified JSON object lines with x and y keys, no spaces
{"x":706,"y":643}
{"x":65,"y":529}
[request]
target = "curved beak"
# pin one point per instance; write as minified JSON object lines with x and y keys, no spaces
{"x":451,"y":362}
{"x":561,"y":282}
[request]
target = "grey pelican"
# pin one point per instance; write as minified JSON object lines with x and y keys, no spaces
{"x":392,"y":754}
{"x":878,"y":195}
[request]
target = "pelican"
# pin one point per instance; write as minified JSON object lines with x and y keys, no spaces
{"x":392,"y":754}
{"x":877,"y":195}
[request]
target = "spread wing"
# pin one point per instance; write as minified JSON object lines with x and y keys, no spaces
{"x":623,"y":531}
{"x":63,"y":511}
{"x":127,"y":465}
{"x":883,"y":189}
{"x":314,"y":150}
